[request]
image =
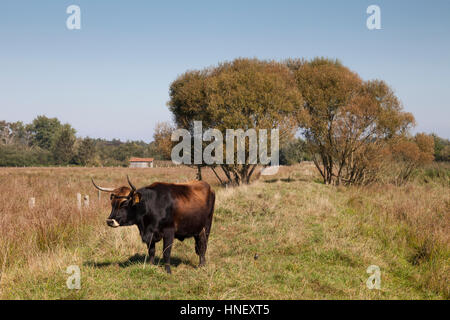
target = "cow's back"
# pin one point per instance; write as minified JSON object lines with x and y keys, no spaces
{"x":192,"y":207}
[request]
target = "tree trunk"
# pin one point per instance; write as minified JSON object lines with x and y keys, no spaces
{"x":199,"y":173}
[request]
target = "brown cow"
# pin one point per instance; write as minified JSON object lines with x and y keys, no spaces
{"x":165,"y":211}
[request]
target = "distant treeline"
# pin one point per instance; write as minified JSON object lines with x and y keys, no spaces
{"x":48,"y":142}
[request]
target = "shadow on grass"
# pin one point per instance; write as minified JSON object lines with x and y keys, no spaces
{"x":271,"y":181}
{"x":138,"y":259}
{"x":280,"y":179}
{"x":318,"y":180}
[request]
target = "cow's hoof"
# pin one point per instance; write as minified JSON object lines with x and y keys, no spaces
{"x":168,"y":269}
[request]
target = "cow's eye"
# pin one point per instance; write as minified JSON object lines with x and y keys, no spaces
{"x":111,"y":196}
{"x":123,"y":204}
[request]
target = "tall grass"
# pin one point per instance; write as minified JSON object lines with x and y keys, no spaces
{"x":413,"y":222}
{"x":56,"y":221}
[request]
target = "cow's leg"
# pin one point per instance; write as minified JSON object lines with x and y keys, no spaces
{"x":208,"y":227}
{"x":200,"y":246}
{"x":167,"y":245}
{"x":151,"y":252}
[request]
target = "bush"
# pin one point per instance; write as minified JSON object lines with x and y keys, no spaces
{"x":21,"y":156}
{"x":294,"y":152}
{"x":404,"y":157}
{"x":441,"y":149}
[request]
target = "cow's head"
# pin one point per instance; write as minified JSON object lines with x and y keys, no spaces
{"x":123,"y":205}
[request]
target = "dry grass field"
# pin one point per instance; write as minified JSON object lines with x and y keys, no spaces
{"x":313,"y":241}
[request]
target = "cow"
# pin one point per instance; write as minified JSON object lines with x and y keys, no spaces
{"x":165,"y":211}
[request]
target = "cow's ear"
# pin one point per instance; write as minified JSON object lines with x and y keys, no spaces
{"x":136,"y":198}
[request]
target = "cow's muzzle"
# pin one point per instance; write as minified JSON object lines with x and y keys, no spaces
{"x":112,"y":223}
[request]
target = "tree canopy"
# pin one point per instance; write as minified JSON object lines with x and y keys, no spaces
{"x":242,"y":94}
{"x":347,"y":121}
{"x":350,"y":125}
{"x":43,"y":130}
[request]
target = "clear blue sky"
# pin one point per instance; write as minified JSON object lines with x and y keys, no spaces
{"x":111,"y":78}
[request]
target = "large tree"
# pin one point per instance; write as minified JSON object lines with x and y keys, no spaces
{"x":43,"y":131}
{"x":86,"y":152}
{"x":12,"y":133}
{"x":242,"y":94}
{"x":347,"y":122}
{"x":63,"y":145}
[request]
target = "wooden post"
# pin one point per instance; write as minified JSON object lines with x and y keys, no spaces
{"x":79,"y":201}
{"x":86,"y":201}
{"x":31,"y":203}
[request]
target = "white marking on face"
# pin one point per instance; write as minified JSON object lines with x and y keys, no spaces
{"x":114,"y":223}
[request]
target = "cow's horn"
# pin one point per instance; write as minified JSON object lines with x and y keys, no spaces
{"x":102,"y":189}
{"x":131,"y":185}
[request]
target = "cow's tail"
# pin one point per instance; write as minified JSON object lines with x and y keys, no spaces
{"x":212,"y":201}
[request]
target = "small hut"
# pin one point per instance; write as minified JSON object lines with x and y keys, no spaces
{"x":141,"y":162}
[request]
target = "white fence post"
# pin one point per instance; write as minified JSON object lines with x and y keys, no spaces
{"x":79,"y":201}
{"x":31,"y":203}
